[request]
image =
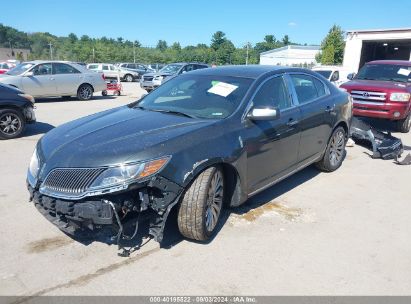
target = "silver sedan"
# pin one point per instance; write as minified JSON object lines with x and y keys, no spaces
{"x":54,"y":78}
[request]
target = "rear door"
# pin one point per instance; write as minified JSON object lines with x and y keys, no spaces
{"x":42,"y":83}
{"x":67,"y":78}
{"x":317,"y":114}
{"x":272,"y":145}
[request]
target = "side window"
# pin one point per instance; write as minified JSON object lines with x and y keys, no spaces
{"x":188,"y":68}
{"x":105,"y":67}
{"x":319,"y":85}
{"x":112,"y":68}
{"x":305,"y":88}
{"x":61,"y":68}
{"x":42,"y":69}
{"x":335,"y":76}
{"x":93,"y":67}
{"x":273,"y":93}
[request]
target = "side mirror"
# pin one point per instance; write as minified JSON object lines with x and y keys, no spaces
{"x":351,"y":76}
{"x":29,"y":74}
{"x":267,"y":113}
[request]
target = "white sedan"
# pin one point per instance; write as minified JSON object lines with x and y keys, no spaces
{"x":54,"y":78}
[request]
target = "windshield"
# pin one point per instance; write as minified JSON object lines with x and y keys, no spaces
{"x":20,"y":69}
{"x":326,"y":74}
{"x":385,"y":72}
{"x":210,"y":97}
{"x":171,"y":68}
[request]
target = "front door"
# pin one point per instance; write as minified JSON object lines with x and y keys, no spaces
{"x":42,"y":83}
{"x":272,"y":145}
{"x":67,"y":78}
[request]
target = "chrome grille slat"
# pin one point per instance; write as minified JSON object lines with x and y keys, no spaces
{"x":71,"y":181}
{"x":369,"y":96}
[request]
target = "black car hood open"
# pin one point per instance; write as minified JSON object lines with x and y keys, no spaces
{"x":115,"y":136}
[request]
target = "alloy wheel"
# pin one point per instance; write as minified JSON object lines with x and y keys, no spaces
{"x":337,"y":148}
{"x":10,"y":124}
{"x":85,"y":92}
{"x":214,"y":201}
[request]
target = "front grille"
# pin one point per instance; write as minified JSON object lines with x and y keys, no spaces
{"x":147,"y":78}
{"x":70,"y":181}
{"x":368,"y":96}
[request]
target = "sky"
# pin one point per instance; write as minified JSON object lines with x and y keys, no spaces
{"x":193,"y":22}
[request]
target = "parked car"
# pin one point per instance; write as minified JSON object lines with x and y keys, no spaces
{"x":150,"y":81}
{"x":16,"y":110}
{"x":54,"y":78}
{"x":156,"y":66}
{"x":136,"y":67}
{"x":337,"y":75}
{"x":5,"y":67}
{"x":382,"y":89}
{"x":204,"y":140}
{"x":113,"y":72}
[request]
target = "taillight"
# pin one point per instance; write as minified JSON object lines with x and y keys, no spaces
{"x":104,"y":77}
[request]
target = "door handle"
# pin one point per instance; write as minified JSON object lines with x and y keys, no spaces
{"x":330,"y":109}
{"x":292,"y":122}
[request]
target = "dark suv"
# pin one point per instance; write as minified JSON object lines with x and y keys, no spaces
{"x":202,"y":141}
{"x":150,"y":81}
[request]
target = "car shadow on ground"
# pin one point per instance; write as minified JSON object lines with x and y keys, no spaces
{"x":70,"y":99}
{"x":380,"y":124}
{"x":37,"y":128}
{"x":172,"y":236}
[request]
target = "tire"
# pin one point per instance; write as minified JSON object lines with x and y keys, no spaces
{"x":118,"y":93}
{"x":85,"y":92}
{"x":104,"y":93}
{"x":128,"y":78}
{"x":198,"y":216}
{"x":335,"y":153}
{"x":12,"y":123}
{"x":404,"y":125}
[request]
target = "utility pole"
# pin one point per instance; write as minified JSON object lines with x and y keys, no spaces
{"x":51,"y":50}
{"x":134,"y":51}
{"x":246,"y":58}
{"x":94,"y":58}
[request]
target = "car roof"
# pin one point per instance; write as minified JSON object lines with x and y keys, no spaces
{"x":47,"y":61}
{"x":247,"y":71}
{"x":393,"y":62}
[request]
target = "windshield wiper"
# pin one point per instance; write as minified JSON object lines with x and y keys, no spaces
{"x":173,"y":112}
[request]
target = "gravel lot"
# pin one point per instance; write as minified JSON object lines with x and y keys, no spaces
{"x":345,"y":233}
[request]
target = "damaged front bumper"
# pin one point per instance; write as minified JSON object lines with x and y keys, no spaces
{"x":91,"y":215}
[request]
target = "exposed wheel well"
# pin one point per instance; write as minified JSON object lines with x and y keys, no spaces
{"x":344,"y":125}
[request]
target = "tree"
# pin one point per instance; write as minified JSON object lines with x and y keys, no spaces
{"x":332,"y":47}
{"x":176,"y":46}
{"x":161,"y":45}
{"x":72,"y":38}
{"x":270,"y":39}
{"x":286,"y":40}
{"x":217,"y":40}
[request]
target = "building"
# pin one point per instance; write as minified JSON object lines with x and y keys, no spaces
{"x":7,"y":54}
{"x":290,"y":55}
{"x":366,"y":45}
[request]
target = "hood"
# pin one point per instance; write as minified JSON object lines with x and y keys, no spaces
{"x":158,"y":74}
{"x":374,"y":85}
{"x":119,"y":135}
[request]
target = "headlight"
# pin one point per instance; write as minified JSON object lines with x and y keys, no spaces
{"x":28,"y":97}
{"x":403,"y":97}
{"x":34,"y":166}
{"x":126,"y":174}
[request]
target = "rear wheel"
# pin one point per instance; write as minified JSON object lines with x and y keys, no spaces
{"x":404,"y":125}
{"x":200,"y":209}
{"x":335,"y":152}
{"x":128,"y":78}
{"x":85,"y":92}
{"x":11,"y":123}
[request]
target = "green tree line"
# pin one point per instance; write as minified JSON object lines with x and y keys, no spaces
{"x":220,"y":51}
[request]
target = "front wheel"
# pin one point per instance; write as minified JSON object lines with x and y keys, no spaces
{"x":201,"y":206}
{"x":404,"y":125}
{"x":85,"y":92}
{"x":335,"y":152}
{"x":11,"y":123}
